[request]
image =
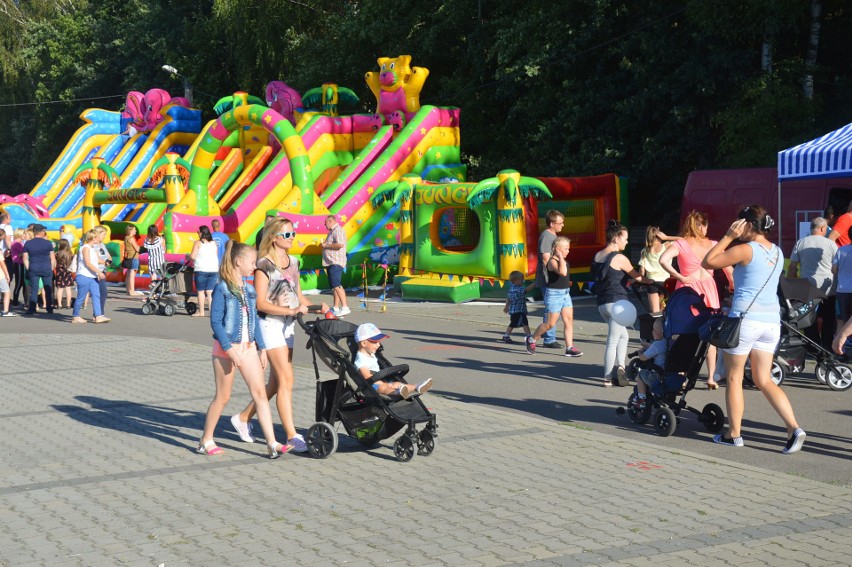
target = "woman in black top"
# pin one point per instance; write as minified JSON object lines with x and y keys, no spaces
{"x":612,"y":270}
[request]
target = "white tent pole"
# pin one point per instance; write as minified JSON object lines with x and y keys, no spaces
{"x":780,"y":239}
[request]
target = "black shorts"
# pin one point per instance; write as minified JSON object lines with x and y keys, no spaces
{"x":518,"y":320}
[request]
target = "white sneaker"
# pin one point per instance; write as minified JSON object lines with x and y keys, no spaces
{"x":297,"y":444}
{"x":343,"y":311}
{"x":242,"y":428}
{"x":424,"y":386}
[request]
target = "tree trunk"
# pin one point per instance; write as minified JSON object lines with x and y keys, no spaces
{"x":813,"y":47}
{"x":766,"y":49}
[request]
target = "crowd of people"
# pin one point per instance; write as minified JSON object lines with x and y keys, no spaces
{"x":253,"y":325}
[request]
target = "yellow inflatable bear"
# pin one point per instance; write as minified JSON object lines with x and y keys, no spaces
{"x":397,"y":85}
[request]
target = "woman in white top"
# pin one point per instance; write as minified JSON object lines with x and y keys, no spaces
{"x":279,"y":301}
{"x":205,"y":257}
{"x":88,"y":279}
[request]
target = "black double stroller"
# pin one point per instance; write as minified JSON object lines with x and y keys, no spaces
{"x":171,"y":292}
{"x":800,"y":301}
{"x":367,"y":416}
{"x":684,"y":314}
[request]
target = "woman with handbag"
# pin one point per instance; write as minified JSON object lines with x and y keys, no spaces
{"x":755,"y":317}
{"x":131,"y":260}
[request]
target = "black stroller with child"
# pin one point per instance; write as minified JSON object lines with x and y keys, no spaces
{"x":367,"y":416}
{"x":171,"y":292}
{"x":684,"y":314}
{"x":800,"y":301}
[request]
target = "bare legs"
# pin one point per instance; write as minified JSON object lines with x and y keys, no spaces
{"x":711,"y":367}
{"x":130,"y":281}
{"x":252,"y":372}
{"x":202,"y":297}
{"x":339,"y":295}
{"x":280,"y":384}
{"x":761,"y":367}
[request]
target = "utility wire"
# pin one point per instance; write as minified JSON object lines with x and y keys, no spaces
{"x":61,"y":101}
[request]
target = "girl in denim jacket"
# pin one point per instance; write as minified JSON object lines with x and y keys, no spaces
{"x":238,"y":344}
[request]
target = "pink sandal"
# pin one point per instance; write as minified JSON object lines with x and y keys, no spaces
{"x":209,"y":448}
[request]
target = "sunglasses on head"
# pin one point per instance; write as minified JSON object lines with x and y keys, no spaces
{"x":290,"y":234}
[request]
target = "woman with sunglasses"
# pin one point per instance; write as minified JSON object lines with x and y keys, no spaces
{"x":279,"y":301}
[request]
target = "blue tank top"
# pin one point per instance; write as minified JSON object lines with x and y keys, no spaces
{"x":765,"y":265}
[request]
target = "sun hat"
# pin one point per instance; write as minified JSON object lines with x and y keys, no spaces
{"x":369,"y":332}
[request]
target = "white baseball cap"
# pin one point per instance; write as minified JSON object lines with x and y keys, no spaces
{"x":369,"y":332}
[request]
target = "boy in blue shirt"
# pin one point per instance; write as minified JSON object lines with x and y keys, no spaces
{"x":516,"y":306}
{"x":656,"y":351}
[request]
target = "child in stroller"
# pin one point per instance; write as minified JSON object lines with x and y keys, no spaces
{"x":369,"y":337}
{"x":654,"y":354}
{"x":367,"y":415}
{"x":800,"y":301}
{"x":684,"y":314}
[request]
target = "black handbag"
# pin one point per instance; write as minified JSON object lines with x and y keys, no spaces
{"x":722,"y":331}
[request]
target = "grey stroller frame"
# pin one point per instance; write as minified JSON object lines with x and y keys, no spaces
{"x":171,"y":292}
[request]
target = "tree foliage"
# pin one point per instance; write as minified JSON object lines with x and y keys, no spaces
{"x":648,"y":90}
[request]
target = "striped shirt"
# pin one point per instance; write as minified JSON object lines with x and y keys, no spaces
{"x":156,"y":254}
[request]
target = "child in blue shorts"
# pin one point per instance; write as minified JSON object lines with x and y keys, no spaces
{"x":369,"y":338}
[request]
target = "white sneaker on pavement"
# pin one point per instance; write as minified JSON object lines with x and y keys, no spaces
{"x":242,"y":428}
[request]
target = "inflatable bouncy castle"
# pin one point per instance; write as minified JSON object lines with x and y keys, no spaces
{"x":393,"y":178}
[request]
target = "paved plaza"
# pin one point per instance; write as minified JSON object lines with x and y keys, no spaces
{"x":98,"y":468}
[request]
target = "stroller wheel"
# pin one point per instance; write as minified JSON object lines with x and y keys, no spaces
{"x":839,"y":377}
{"x":713,"y":418}
{"x":638,"y":415}
{"x":169,"y":310}
{"x":322,"y":440}
{"x":665,"y":421}
{"x":147,"y":308}
{"x":191,"y":307}
{"x":821,"y":372}
{"x":778,"y":372}
{"x":403,"y":448}
{"x":425,"y":443}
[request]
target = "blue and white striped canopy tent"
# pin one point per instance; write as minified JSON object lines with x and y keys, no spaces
{"x":826,"y":156}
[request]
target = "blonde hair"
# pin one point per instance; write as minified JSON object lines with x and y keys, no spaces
{"x":560,"y":240}
{"x":693,"y":220}
{"x":228,"y":267}
{"x":651,"y":236}
{"x":29,"y":234}
{"x":270,"y":231}
{"x":19,"y":233}
{"x":89,"y":235}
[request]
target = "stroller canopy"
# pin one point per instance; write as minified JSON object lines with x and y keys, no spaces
{"x":799,"y":288}
{"x":685,"y":312}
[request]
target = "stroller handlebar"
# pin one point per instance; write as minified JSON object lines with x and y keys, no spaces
{"x":301,"y":320}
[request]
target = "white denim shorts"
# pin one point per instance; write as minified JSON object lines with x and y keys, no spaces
{"x":278,"y":331}
{"x":757,"y":335}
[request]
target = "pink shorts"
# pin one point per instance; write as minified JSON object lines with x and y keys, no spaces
{"x":244,"y":349}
